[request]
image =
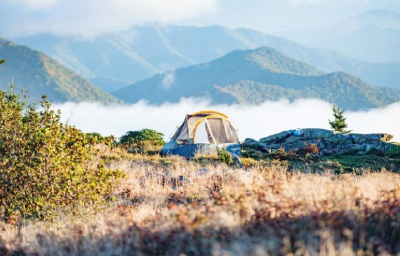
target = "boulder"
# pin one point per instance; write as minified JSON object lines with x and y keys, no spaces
{"x":371,"y":138}
{"x":318,"y":133}
{"x":254,"y":144}
{"x":328,"y":142}
{"x":273,"y":138}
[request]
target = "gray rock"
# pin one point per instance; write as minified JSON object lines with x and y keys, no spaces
{"x":253,"y":144}
{"x":276,"y":137}
{"x":328,"y":142}
{"x":317,"y":133}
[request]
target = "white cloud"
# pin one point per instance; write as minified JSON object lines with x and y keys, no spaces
{"x":252,"y":121}
{"x":168,"y":79}
{"x":91,"y":17}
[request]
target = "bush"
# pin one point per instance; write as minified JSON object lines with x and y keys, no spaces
{"x":97,"y":138}
{"x":44,"y":164}
{"x":143,"y":141}
{"x":311,"y":148}
{"x":225,"y":156}
{"x":248,"y":162}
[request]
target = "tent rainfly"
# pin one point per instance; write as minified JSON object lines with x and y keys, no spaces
{"x":218,"y":130}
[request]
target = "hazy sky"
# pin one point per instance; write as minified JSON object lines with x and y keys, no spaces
{"x":91,"y":17}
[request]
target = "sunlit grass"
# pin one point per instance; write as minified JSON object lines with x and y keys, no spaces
{"x":219,"y":210}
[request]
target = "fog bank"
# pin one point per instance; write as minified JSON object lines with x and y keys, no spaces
{"x":253,"y":121}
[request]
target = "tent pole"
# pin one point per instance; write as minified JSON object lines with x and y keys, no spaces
{"x":188,"y":140}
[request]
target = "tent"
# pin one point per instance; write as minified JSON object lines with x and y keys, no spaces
{"x":202,"y":133}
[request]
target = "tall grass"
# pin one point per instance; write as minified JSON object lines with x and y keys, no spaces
{"x":216,"y":210}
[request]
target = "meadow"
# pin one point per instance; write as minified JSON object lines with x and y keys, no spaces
{"x":65,"y":192}
{"x":171,"y":206}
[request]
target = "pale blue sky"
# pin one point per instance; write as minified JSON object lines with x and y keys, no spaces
{"x":278,"y":15}
{"x":91,"y":17}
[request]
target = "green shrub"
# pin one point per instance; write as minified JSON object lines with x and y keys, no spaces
{"x":144,"y":141}
{"x":225,"y":156}
{"x":44,"y":164}
{"x":339,"y":123}
{"x":97,"y":138}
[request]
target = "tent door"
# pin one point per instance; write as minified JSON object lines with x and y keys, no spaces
{"x":203,"y":134}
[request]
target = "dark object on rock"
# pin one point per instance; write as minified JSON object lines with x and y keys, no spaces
{"x":326,"y":142}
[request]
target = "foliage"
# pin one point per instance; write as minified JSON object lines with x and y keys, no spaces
{"x":97,"y":138}
{"x":94,"y":137}
{"x":44,"y":164}
{"x":2,"y":61}
{"x":358,"y":163}
{"x":375,"y":159}
{"x":225,"y":157}
{"x":262,"y":210}
{"x":248,"y":162}
{"x":143,"y":141}
{"x":311,"y":148}
{"x":339,"y":123}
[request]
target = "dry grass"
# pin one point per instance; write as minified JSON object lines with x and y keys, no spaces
{"x":259,"y":211}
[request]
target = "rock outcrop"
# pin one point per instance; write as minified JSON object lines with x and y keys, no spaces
{"x":328,"y":142}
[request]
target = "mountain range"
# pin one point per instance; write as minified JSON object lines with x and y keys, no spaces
{"x":253,"y":76}
{"x":41,"y":75}
{"x":161,"y":63}
{"x":114,"y":61}
{"x":372,"y":36}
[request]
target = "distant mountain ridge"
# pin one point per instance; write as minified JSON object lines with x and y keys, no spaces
{"x":371,"y":36}
{"x":114,"y":61}
{"x":382,"y":19}
{"x":43,"y":76}
{"x":253,"y":76}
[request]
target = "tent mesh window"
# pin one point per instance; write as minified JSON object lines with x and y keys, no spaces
{"x":182,"y":134}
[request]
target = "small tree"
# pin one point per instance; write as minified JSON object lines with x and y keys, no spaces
{"x":142,"y":141}
{"x":46,"y":165}
{"x":339,"y":123}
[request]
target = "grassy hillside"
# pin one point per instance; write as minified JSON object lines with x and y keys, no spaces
{"x":43,"y":76}
{"x":349,"y":92}
{"x":117,"y":60}
{"x":253,"y":76}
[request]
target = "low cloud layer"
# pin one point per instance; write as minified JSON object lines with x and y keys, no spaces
{"x":252,"y":121}
{"x":168,"y":80}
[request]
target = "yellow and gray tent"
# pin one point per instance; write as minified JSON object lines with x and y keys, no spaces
{"x":219,"y":131}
